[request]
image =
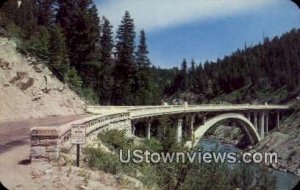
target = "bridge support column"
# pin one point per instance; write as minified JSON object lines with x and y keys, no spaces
{"x":277,"y":119}
{"x":249,"y":116}
{"x":267,"y":124}
{"x":149,"y":130}
{"x":262,"y":125}
{"x":191,"y":131}
{"x":179,"y":131}
{"x":255,"y":120}
{"x":133,"y":129}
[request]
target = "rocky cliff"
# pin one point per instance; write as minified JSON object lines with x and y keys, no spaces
{"x":28,"y":89}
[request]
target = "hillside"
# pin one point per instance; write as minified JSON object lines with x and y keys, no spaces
{"x":266,"y":72}
{"x":28,"y":89}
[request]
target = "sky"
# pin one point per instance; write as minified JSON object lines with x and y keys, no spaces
{"x":201,"y":29}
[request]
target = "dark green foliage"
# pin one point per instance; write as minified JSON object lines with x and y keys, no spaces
{"x":39,"y":46}
{"x":268,"y":66}
{"x":116,"y":138}
{"x":242,"y":176}
{"x":96,"y":158}
{"x":181,"y":175}
{"x":152,"y":144}
{"x":59,"y":61}
{"x":105,"y":82}
{"x":79,"y":49}
{"x":80,"y":24}
{"x":124,"y":70}
{"x":73,"y":80}
{"x":73,"y":27}
{"x":45,"y":14}
{"x":143,"y":87}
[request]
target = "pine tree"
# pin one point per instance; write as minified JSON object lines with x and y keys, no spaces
{"x":59,"y":61}
{"x":143,"y":85}
{"x":80,"y":23}
{"x":124,"y":66}
{"x":105,"y":80}
{"x":25,"y":17}
{"x":90,"y":46}
{"x":8,"y":11}
{"x":184,"y":73}
{"x":45,"y":13}
{"x":192,"y":75}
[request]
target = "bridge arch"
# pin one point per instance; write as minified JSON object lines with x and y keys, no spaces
{"x":248,"y":127}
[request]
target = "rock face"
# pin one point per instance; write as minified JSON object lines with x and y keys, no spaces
{"x":287,"y":149}
{"x":286,"y":142}
{"x":28,"y":89}
{"x":227,"y":134}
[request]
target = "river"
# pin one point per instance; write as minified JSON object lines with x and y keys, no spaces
{"x":285,"y":181}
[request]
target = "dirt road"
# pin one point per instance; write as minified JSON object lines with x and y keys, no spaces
{"x":16,"y":172}
{"x":17,"y":133}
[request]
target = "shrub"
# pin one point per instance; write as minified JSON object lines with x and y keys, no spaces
{"x":96,"y":158}
{"x":116,"y":139}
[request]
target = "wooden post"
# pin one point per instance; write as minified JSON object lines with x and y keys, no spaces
{"x":78,"y":155}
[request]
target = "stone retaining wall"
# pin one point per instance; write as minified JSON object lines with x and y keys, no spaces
{"x":48,"y":141}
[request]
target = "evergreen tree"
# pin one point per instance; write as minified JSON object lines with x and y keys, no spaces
{"x":80,"y":23}
{"x":124,"y":65}
{"x":105,"y":82}
{"x":8,"y":11}
{"x":184,"y":73}
{"x":192,"y":75}
{"x":25,"y":17}
{"x":45,"y":13}
{"x":59,"y":60}
{"x":143,"y":86}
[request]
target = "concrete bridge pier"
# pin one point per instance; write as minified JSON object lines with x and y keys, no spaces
{"x":267,"y":124}
{"x":192,"y":122}
{"x":148,"y":132}
{"x":133,"y":129}
{"x":248,"y":116}
{"x":261,"y":128}
{"x":179,"y":131}
{"x":277,"y":119}
{"x":204,"y":120}
{"x":255,"y":120}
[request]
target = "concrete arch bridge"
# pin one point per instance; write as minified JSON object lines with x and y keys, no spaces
{"x":193,"y":120}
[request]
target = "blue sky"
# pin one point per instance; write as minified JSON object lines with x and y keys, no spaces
{"x":201,"y":29}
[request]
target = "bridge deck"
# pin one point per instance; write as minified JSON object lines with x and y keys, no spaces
{"x":148,"y":111}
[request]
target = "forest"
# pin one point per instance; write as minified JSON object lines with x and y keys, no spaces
{"x":105,"y":68}
{"x":270,"y":66}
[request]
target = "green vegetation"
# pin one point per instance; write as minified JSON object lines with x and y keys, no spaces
{"x":78,"y":47}
{"x":116,"y":139}
{"x":172,"y":175}
{"x":77,"y":44}
{"x":267,"y":72}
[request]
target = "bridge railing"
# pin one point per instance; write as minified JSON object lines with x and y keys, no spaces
{"x":139,"y":112}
